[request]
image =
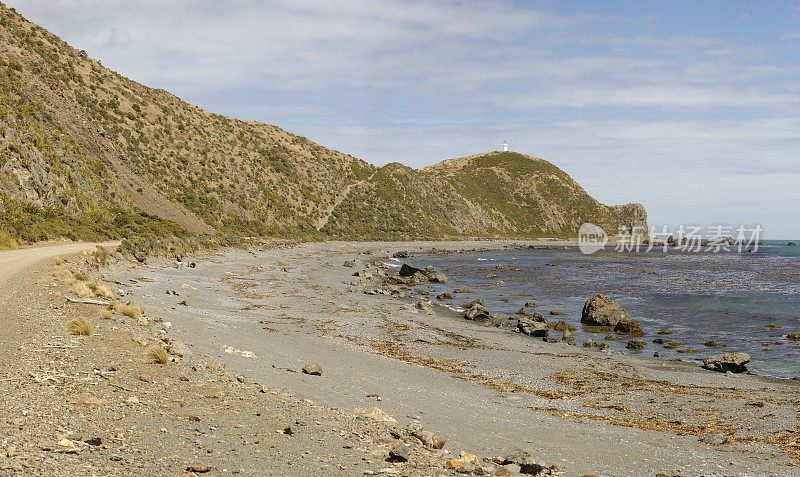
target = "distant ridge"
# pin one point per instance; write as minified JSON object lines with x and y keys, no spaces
{"x":86,"y":153}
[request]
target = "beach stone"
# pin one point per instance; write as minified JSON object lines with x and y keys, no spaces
{"x":399,"y":453}
{"x":533,"y":328}
{"x":475,"y":311}
{"x":407,"y":270}
{"x":312,"y":369}
{"x":601,"y":310}
{"x":635,"y":344}
{"x":590,"y":343}
{"x":400,"y":254}
{"x":437,"y":277}
{"x":733,"y":362}
{"x":425,"y":307}
{"x":629,"y":327}
{"x":669,"y":473}
{"x":178,"y":348}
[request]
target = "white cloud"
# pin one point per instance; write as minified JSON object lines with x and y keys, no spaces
{"x":693,"y":126}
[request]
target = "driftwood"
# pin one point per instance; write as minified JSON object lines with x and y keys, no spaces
{"x":87,"y":301}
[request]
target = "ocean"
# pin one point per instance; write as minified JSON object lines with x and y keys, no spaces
{"x":741,"y":301}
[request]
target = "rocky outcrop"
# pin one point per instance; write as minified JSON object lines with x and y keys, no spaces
{"x":476,"y":311}
{"x":601,"y":310}
{"x":528,"y":325}
{"x":733,"y":362}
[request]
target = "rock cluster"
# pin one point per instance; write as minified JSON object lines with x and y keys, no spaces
{"x":733,"y":362}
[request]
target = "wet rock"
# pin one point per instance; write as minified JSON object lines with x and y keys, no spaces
{"x":629,"y":327}
{"x":444,"y":296}
{"x":635,"y":344}
{"x":400,"y":254}
{"x":601,"y":310}
{"x":528,"y":326}
{"x":475,"y":311}
{"x":563,"y":326}
{"x":437,"y":277}
{"x":590,"y":343}
{"x":407,"y":270}
{"x":312,"y":369}
{"x":733,"y":362}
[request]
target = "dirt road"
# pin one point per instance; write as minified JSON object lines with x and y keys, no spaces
{"x":15,"y":261}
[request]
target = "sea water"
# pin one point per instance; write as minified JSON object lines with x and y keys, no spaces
{"x":745,"y":301}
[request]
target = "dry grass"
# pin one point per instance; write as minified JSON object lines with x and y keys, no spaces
{"x":106,"y":314}
{"x":101,"y":290}
{"x":131,"y":310}
{"x":80,"y":326}
{"x":159,"y":355}
{"x":82,"y":289}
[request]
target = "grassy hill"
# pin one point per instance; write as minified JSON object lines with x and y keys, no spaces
{"x":86,"y":153}
{"x":491,"y":195}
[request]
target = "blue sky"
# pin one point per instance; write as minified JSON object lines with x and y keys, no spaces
{"x":692,"y":108}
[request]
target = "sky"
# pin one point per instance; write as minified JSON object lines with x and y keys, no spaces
{"x":690,"y":108}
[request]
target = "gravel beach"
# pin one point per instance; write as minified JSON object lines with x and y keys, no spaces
{"x":265,"y":314}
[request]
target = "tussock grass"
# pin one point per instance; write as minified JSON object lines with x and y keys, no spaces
{"x":80,"y":326}
{"x":82,"y":289}
{"x":101,"y":290}
{"x":131,"y":310}
{"x":159,"y":355}
{"x":106,"y":314}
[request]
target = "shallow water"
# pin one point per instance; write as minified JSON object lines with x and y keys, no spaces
{"x":726,"y":297}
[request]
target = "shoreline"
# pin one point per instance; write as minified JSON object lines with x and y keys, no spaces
{"x":315,"y":308}
{"x":455,"y":312}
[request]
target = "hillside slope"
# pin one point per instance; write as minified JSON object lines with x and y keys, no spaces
{"x":86,"y":153}
{"x":491,"y":195}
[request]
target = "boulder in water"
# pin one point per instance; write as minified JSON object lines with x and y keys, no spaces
{"x":601,"y":310}
{"x":733,"y":362}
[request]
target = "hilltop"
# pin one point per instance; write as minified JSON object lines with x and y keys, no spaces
{"x":86,"y":153}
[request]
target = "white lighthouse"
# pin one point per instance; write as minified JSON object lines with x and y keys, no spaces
{"x":505,"y":145}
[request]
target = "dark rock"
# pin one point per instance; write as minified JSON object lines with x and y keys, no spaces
{"x":475,"y":310}
{"x":635,"y":344}
{"x":399,"y":453}
{"x":400,"y":254}
{"x":791,"y":244}
{"x":603,"y":311}
{"x":407,"y":270}
{"x":312,"y":369}
{"x":349,"y":263}
{"x":94,"y":441}
{"x":629,"y":327}
{"x":733,"y":362}
{"x":444,"y":296}
{"x":531,"y":327}
{"x":590,"y":343}
{"x":564,"y":326}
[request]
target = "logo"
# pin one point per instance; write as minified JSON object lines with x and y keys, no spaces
{"x":591,"y":238}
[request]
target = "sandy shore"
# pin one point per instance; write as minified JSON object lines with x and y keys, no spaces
{"x":487,"y":390}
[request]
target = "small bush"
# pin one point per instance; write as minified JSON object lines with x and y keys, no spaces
{"x":80,"y":326}
{"x":159,"y":355}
